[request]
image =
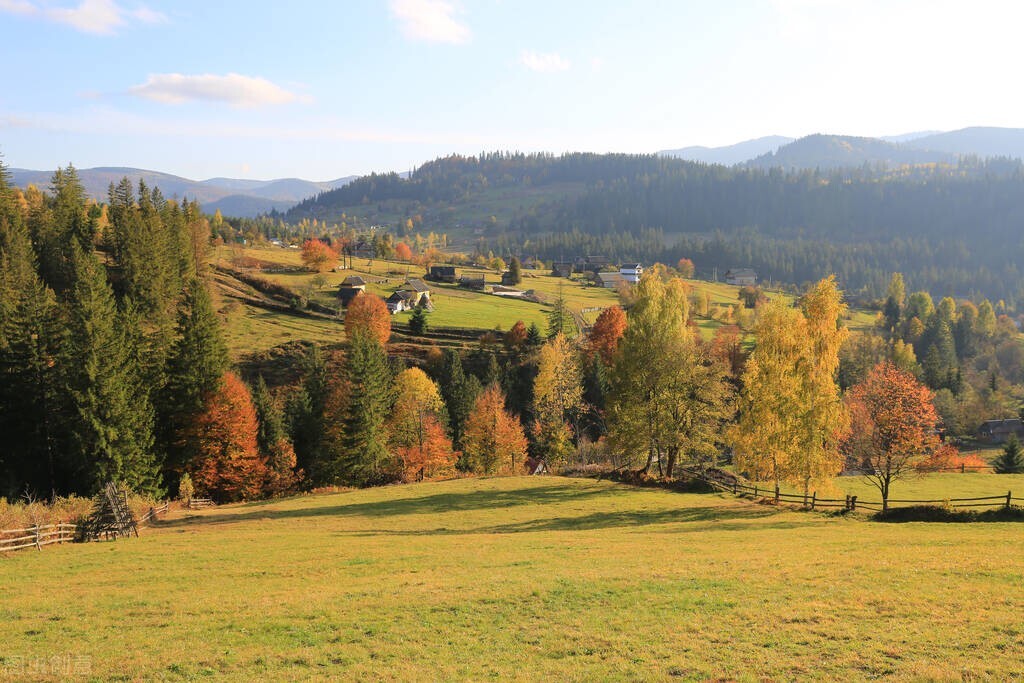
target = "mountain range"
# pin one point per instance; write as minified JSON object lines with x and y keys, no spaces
{"x":837,"y":151}
{"x":232,"y":196}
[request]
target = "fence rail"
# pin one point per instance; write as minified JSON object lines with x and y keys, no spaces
{"x":61,"y":532}
{"x":730,"y":483}
{"x":199,"y":503}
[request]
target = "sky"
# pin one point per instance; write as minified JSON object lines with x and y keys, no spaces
{"x":322,"y":90}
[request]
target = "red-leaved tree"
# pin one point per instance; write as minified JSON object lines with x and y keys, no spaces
{"x":606,"y":333}
{"x":228,"y":465}
{"x":403,"y":252}
{"x":317,"y":256}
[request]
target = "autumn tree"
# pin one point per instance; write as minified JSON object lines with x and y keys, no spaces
{"x":416,"y":427}
{"x":685,"y":268}
{"x":368,"y":314}
{"x":667,"y":398}
{"x":791,"y":418}
{"x":227,"y":464}
{"x":318,"y":256}
{"x":403,"y":252}
{"x":607,"y":332}
{"x":558,"y":397}
{"x":493,"y":441}
{"x":893,"y":426}
{"x":516,"y":336}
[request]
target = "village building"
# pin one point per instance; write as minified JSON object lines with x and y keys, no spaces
{"x":442,"y":274}
{"x":562,"y":268}
{"x":631,"y":272}
{"x":474,"y":282}
{"x":999,"y":431}
{"x":744,"y":277}
{"x":350,"y":288}
{"x":610,"y":280}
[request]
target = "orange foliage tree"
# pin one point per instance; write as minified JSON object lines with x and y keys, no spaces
{"x":368,"y":313}
{"x":403,"y":252}
{"x":431,"y":455}
{"x":417,"y":435}
{"x":606,"y":333}
{"x":685,"y":268}
{"x":493,"y":440}
{"x":228,"y":465}
{"x":893,"y":425}
{"x":317,"y":256}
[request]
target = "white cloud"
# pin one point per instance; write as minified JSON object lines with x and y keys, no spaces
{"x":101,"y":17}
{"x":233,"y":89}
{"x":429,"y":20}
{"x":23,"y":7}
{"x":543,"y":61}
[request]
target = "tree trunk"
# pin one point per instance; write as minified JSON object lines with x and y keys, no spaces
{"x":673,"y":454}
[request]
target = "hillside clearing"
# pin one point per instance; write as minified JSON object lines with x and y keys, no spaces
{"x":526,"y":578}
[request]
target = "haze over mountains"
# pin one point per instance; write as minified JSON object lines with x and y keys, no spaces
{"x":838,"y":151}
{"x":232,"y":196}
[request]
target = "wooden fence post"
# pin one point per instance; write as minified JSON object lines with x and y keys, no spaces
{"x":853,"y":503}
{"x":755,"y":491}
{"x":1009,"y":497}
{"x":734,"y":484}
{"x":776,"y":494}
{"x":38,"y":547}
{"x":814,"y":498}
{"x":846,"y":505}
{"x":963,"y":468}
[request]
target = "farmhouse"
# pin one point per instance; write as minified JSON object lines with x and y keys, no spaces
{"x":419,"y":289}
{"x":610,"y":280}
{"x":561,"y":268}
{"x":508,"y":279}
{"x":592,"y":264}
{"x":999,"y":431}
{"x":441,"y":274}
{"x":402,"y":300}
{"x":350,"y":288}
{"x":631,"y":273}
{"x":744,"y":277}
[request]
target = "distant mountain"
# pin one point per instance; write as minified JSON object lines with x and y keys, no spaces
{"x":842,"y":151}
{"x":907,"y":137}
{"x":984,"y":142}
{"x":729,"y":155}
{"x":233,"y":196}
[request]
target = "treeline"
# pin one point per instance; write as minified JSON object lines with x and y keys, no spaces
{"x":112,"y":364}
{"x":950,"y":228}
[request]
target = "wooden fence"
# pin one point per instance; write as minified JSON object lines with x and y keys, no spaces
{"x":62,"y":532}
{"x":726,"y":481}
{"x":199,"y":503}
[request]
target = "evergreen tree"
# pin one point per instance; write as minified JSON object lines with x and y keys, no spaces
{"x":459,"y":392}
{"x":112,"y":428}
{"x":306,"y":419}
{"x":30,"y":404}
{"x":418,"y":321}
{"x":196,"y":365}
{"x":534,"y":339}
{"x":560,"y":320}
{"x":1011,"y":460}
{"x":271,"y":422}
{"x":365,"y":458}
{"x":515,"y":271}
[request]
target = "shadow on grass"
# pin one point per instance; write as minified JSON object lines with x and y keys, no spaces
{"x":423,"y":504}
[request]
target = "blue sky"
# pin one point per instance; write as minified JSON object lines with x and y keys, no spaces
{"x":322,"y":90}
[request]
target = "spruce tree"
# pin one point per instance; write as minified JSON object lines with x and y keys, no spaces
{"x":196,"y":365}
{"x":30,"y":405}
{"x":459,"y":392}
{"x":1011,"y":460}
{"x":112,"y":425}
{"x":306,"y":419}
{"x":365,"y":458}
{"x":418,"y":322}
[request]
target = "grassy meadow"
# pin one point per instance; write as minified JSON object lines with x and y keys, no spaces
{"x":540,"y":578}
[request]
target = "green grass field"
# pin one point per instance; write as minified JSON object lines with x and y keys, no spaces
{"x":528,"y":579}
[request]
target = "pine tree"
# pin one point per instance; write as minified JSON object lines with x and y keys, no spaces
{"x":112,"y":427}
{"x":365,"y":458}
{"x":1011,"y":460}
{"x":459,"y":392}
{"x":560,"y":320}
{"x":515,"y":271}
{"x":534,"y":339}
{"x":307,"y":420}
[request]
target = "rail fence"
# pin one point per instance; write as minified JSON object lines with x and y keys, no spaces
{"x":730,"y":483}
{"x":41,"y":535}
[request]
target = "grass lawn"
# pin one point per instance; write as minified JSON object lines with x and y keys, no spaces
{"x":524,"y":578}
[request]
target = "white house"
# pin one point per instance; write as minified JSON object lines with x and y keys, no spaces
{"x":631,"y":272}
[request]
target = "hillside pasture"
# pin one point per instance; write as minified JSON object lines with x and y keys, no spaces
{"x":539,"y":578}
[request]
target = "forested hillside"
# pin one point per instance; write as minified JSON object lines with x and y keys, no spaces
{"x":950,"y":228}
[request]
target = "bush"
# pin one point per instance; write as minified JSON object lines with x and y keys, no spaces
{"x":933,"y":513}
{"x":185,"y":487}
